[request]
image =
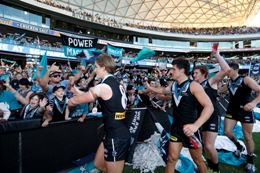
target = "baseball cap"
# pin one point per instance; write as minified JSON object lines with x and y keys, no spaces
{"x":24,"y":81}
{"x":57,"y":87}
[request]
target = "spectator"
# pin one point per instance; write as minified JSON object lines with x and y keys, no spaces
{"x":58,"y":103}
{"x":3,"y":75}
{"x":132,"y":98}
{"x":15,"y":82}
{"x":36,"y":106}
{"x":23,"y":93}
{"x":80,"y":111}
{"x":8,"y":99}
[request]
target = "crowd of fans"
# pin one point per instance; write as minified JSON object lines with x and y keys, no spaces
{"x":15,"y":38}
{"x":24,"y":40}
{"x":27,"y":95}
{"x":191,"y":31}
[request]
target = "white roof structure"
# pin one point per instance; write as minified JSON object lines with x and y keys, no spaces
{"x":171,"y":13}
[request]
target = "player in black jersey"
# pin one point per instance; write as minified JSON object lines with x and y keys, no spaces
{"x":110,"y":156}
{"x":186,"y":95}
{"x":240,"y":108}
{"x":211,"y":127}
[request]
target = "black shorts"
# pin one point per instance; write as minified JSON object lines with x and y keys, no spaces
{"x":212,"y":124}
{"x":116,"y":149}
{"x":240,"y":115}
{"x":177,"y":135}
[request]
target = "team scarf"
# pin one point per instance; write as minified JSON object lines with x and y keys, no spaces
{"x":29,"y":113}
{"x":61,"y":109}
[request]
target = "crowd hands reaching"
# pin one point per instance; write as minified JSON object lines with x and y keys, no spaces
{"x":24,"y":94}
{"x":191,"y":31}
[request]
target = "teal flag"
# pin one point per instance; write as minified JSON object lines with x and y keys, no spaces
{"x":43,"y":63}
{"x":144,"y":54}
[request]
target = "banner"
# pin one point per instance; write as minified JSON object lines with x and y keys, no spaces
{"x":116,"y":53}
{"x":134,"y":120}
{"x":89,"y":55}
{"x":81,"y":47}
{"x":254,"y":69}
{"x":76,"y":42}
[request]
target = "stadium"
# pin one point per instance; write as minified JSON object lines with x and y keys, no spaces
{"x":144,"y":38}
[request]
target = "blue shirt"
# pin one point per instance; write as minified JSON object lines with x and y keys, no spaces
{"x":9,"y":100}
{"x":79,"y":110}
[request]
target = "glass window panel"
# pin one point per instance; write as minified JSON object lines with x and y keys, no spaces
{"x":1,"y":10}
{"x":34,"y":19}
{"x":25,"y":17}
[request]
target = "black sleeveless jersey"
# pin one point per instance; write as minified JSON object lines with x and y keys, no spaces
{"x":239,"y":93}
{"x":113,"y":110}
{"x":212,"y":93}
{"x":184,"y":104}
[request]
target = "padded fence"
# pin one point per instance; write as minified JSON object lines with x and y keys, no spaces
{"x":26,"y":147}
{"x":49,"y":149}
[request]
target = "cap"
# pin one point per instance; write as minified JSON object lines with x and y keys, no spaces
{"x":130,"y":87}
{"x":57,"y":87}
{"x":24,"y":81}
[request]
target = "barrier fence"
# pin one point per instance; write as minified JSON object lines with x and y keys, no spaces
{"x":26,"y":147}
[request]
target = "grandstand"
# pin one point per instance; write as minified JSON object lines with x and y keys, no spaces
{"x":42,"y":21}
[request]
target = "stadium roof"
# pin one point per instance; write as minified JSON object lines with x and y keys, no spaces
{"x":171,"y":13}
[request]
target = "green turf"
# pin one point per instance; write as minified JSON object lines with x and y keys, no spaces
{"x":224,"y":168}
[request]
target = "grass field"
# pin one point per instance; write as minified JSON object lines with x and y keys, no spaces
{"x":224,"y":168}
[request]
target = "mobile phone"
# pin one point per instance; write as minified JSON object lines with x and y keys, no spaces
{"x":215,"y":46}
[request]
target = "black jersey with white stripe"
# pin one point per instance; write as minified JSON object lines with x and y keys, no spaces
{"x":113,"y":110}
{"x":239,"y":93}
{"x":184,"y":104}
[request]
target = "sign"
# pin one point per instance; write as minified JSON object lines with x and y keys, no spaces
{"x":78,"y":42}
{"x":134,"y":120}
{"x":33,"y":51}
{"x":95,"y":20}
{"x":28,"y":27}
{"x":254,"y":69}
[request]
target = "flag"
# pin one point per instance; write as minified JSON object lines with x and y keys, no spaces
{"x":116,"y":53}
{"x":143,"y":54}
{"x":89,"y":55}
{"x":20,"y":37}
{"x":254,"y":69}
{"x":43,"y":63}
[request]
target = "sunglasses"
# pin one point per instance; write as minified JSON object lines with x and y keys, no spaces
{"x":55,"y":76}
